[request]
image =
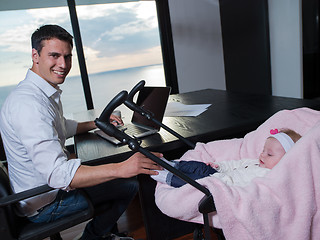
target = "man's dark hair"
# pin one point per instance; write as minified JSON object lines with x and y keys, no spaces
{"x":47,"y":32}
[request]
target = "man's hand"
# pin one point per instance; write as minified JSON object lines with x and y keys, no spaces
{"x":87,"y":176}
{"x":139,"y":164}
{"x":115,"y":120}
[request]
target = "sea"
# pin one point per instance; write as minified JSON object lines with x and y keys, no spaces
{"x":104,"y":86}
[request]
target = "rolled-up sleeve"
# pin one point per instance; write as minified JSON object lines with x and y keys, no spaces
{"x":71,"y":127}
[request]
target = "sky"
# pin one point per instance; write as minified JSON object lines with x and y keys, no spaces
{"x":114,"y":36}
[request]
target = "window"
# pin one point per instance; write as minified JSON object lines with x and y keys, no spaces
{"x":121,"y":46}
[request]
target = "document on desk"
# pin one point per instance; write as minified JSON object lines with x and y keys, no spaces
{"x":177,"y":109}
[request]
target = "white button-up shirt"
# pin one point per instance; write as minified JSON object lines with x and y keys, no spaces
{"x":34,"y":131}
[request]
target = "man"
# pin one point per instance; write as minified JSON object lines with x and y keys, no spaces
{"x":34,"y":131}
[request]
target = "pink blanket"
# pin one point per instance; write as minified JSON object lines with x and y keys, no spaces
{"x":282,"y":205}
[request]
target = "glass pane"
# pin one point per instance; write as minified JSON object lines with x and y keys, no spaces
{"x":15,"y":50}
{"x":121,"y":46}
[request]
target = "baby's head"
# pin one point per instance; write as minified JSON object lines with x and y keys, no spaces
{"x":276,"y":146}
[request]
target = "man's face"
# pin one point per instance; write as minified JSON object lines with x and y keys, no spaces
{"x":54,"y":62}
{"x":271,"y":154}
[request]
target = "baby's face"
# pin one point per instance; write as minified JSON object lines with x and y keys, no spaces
{"x":271,"y":154}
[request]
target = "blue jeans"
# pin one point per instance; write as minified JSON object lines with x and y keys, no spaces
{"x":113,"y":196}
{"x":65,"y":204}
{"x":193,"y":169}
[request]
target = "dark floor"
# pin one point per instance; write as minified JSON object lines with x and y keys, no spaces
{"x":131,"y":221}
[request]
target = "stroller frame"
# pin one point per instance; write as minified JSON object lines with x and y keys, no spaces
{"x":206,"y":204}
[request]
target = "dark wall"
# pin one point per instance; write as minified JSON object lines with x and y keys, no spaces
{"x":246,"y":47}
{"x":245,"y":35}
{"x":311,"y":45}
{"x":165,"y":31}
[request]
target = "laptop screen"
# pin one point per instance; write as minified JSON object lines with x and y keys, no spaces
{"x":153,"y":99}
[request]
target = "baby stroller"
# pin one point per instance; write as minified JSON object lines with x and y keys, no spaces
{"x":284,"y":204}
{"x":206,"y":205}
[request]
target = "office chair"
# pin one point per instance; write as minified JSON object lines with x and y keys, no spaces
{"x":16,"y":227}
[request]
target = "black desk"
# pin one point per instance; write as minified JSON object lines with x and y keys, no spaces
{"x":231,"y":115}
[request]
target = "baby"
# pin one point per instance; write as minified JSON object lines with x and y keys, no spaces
{"x":235,"y":172}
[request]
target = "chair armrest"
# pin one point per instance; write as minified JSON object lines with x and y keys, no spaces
{"x":16,"y":197}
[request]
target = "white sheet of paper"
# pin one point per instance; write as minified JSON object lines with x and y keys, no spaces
{"x":177,"y":109}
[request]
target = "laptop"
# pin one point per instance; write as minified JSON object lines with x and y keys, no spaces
{"x":153,"y":99}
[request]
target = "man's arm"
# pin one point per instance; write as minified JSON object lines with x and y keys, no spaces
{"x":85,"y":127}
{"x":87,"y":176}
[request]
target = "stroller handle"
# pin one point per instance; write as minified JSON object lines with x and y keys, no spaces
{"x":113,"y":104}
{"x":136,"y":89}
{"x":129,"y":101}
{"x":103,"y":122}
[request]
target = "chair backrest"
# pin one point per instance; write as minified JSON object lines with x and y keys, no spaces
{"x":2,"y":152}
{"x":5,"y":188}
{"x":14,"y":227}
{"x":7,"y":213}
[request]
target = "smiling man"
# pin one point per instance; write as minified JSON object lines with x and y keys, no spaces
{"x":34,"y":132}
{"x":52,"y":61}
